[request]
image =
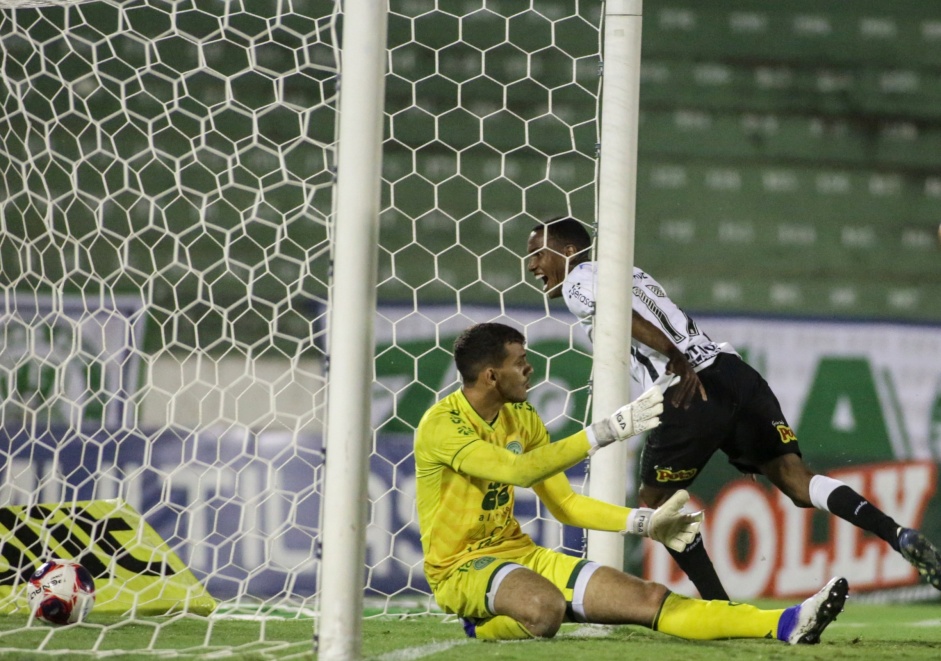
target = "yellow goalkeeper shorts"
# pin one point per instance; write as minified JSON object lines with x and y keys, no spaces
{"x":469,"y":590}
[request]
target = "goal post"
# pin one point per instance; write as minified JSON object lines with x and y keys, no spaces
{"x":352,"y":312}
{"x":617,"y":193}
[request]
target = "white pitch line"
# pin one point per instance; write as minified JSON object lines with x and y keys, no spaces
{"x":410,"y":653}
{"x":589,"y":631}
{"x":927,"y":623}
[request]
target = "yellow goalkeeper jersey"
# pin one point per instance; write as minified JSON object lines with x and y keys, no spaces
{"x":462,"y":517}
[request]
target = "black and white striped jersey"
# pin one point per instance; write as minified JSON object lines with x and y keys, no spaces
{"x":652,"y":303}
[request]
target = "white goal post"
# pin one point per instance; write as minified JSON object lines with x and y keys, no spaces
{"x":352,"y":311}
{"x":617,"y":196}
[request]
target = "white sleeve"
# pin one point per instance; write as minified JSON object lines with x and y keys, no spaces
{"x":578,"y":291}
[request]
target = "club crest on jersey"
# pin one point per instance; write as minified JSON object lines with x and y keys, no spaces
{"x":515,"y":447}
{"x":480,"y":563}
{"x":787,"y":434}
{"x":670,"y":475}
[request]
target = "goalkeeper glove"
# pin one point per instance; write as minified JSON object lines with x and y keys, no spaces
{"x":637,"y":417}
{"x":668,"y":524}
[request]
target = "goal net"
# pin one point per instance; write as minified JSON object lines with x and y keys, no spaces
{"x":165,"y":225}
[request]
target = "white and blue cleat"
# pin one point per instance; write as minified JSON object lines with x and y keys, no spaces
{"x":803,"y":624}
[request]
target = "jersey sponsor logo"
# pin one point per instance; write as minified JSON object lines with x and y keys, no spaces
{"x":575,"y":292}
{"x":481,"y":563}
{"x":515,"y":447}
{"x":700,"y":353}
{"x":670,"y":475}
{"x":787,"y":434}
{"x":497,"y":495}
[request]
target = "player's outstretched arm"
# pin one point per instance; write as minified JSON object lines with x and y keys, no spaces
{"x":643,"y":414}
{"x":487,"y":461}
{"x":668,"y":524}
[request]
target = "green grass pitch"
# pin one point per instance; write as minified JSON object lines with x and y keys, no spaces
{"x":899,"y":632}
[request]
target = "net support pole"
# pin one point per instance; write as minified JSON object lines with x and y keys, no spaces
{"x":617,"y":195}
{"x":351,"y":330}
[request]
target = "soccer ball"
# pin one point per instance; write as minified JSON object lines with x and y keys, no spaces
{"x":61,"y":592}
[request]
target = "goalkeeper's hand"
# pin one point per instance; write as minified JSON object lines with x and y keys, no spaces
{"x":668,"y":524}
{"x":637,"y":417}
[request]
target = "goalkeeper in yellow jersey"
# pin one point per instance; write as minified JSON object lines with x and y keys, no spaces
{"x":476,"y":444}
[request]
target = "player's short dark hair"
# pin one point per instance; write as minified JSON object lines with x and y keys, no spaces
{"x":564,"y":231}
{"x":482,"y":346}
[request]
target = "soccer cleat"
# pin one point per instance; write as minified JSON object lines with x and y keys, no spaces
{"x":922,"y":554}
{"x":470,"y":627}
{"x":803,"y":624}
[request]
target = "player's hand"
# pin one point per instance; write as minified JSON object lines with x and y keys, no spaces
{"x":689,"y":385}
{"x":668,"y":524}
{"x":637,"y":417}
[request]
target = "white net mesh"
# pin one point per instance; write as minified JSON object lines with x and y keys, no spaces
{"x":167,"y":173}
{"x":166,"y":189}
{"x":491,"y":111}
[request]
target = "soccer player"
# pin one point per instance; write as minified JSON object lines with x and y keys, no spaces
{"x":721,"y":403}
{"x":476,"y":444}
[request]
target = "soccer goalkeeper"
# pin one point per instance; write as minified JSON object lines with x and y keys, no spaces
{"x":476,"y":444}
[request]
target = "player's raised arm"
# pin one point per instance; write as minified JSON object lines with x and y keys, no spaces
{"x":487,"y":461}
{"x":643,"y":414}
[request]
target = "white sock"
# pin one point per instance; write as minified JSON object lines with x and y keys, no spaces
{"x":821,"y":487}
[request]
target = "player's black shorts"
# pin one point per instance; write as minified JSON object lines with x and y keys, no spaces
{"x":742,"y":417}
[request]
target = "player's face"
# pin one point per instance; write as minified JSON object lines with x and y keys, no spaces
{"x":512,"y":377}
{"x":547,"y":262}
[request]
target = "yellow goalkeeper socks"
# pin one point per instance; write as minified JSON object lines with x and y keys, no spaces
{"x":500,"y":627}
{"x":680,"y":616}
{"x":696,"y":619}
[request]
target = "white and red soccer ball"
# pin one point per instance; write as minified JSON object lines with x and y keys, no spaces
{"x":61,"y":592}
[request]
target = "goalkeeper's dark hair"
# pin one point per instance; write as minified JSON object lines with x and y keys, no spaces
{"x":482,"y":346}
{"x":562,"y":231}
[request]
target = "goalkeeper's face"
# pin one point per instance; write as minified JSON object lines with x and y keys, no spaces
{"x":546,"y":261}
{"x":512,"y":377}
